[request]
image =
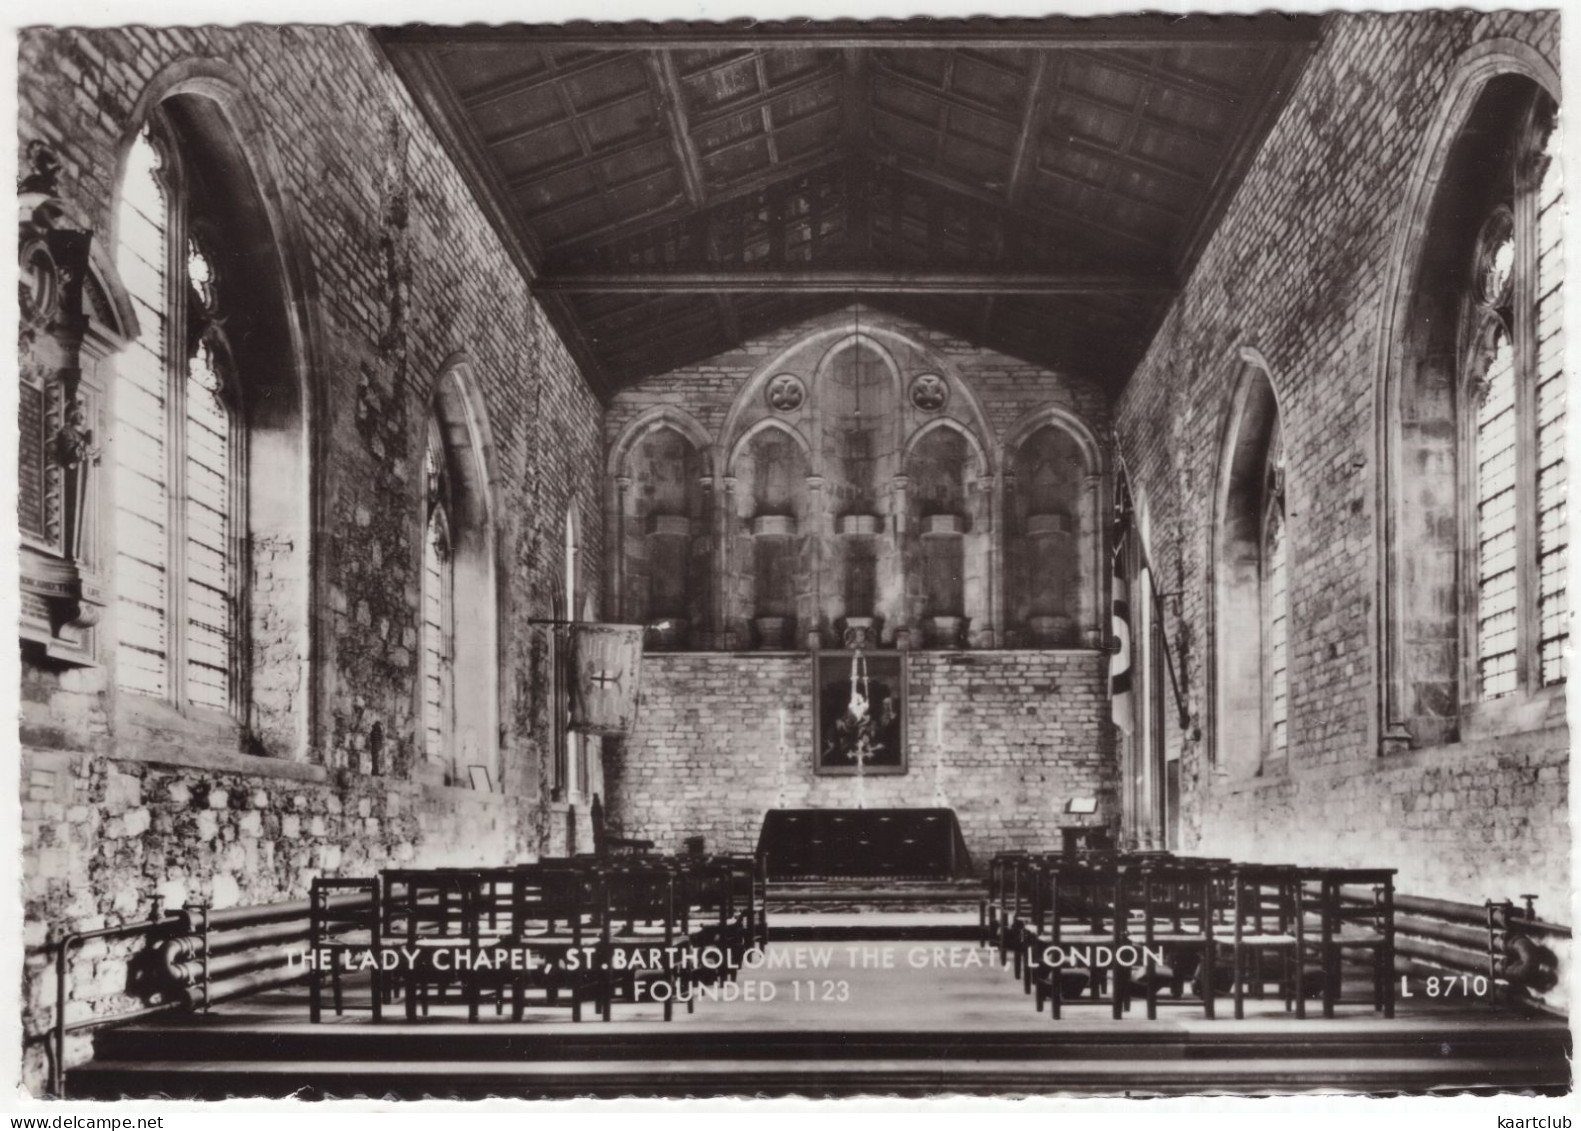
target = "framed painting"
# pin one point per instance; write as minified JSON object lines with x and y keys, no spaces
{"x":860,"y":721}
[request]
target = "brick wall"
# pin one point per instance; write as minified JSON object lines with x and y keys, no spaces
{"x":1297,"y":270}
{"x":388,"y":294}
{"x":1022,"y":733}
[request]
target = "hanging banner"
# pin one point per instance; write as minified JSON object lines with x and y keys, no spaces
{"x":606,"y":661}
{"x":1120,"y":654}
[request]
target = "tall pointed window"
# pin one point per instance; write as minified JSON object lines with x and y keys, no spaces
{"x":438,"y":618}
{"x":1511,"y":369}
{"x":178,"y":448}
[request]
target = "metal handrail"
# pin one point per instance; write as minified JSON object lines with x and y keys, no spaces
{"x":63,"y":949}
{"x":196,"y":932}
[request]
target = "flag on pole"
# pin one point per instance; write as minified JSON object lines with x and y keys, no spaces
{"x":606,"y":663}
{"x":1120,"y":651}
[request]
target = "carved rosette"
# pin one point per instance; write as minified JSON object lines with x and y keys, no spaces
{"x":930,"y":392}
{"x":786,"y":393}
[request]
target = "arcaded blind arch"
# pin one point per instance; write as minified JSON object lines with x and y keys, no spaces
{"x":179,"y":455}
{"x":1475,"y":526}
{"x":1252,"y":581}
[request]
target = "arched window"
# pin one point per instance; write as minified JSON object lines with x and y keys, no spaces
{"x":1512,"y":377}
{"x":438,"y":606}
{"x":180,"y":444}
{"x":1251,"y":609}
{"x":1475,"y":518}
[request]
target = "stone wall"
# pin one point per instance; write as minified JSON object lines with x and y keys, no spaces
{"x":397,"y":272}
{"x":1297,"y":271}
{"x":1022,"y":733}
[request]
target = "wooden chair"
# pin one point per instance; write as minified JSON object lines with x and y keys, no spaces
{"x":1088,"y":910}
{"x":1350,"y":928}
{"x":1266,"y":929}
{"x":637,"y":947}
{"x":437,"y":916}
{"x":555,"y":922}
{"x":1177,"y":917}
{"x":344,"y":922}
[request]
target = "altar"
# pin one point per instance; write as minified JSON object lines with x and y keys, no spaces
{"x":830,"y":844}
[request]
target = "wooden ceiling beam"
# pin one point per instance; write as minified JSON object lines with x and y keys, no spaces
{"x":538,"y":80}
{"x":526,"y":179}
{"x":805,"y":280}
{"x":855,"y":85}
{"x":1185,"y":84}
{"x":1027,"y":136}
{"x":1125,"y":32}
{"x":676,"y":209}
{"x":757,"y":102}
{"x":672,"y":102}
{"x":569,"y":115}
{"x":1046,"y":213}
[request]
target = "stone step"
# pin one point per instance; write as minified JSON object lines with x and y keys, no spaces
{"x":815,"y":1076}
{"x":354,"y":1037}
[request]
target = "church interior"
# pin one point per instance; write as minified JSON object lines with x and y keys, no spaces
{"x":905,"y":556}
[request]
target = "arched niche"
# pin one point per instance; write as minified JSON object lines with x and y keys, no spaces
{"x":946,"y":543}
{"x":1250,"y":592}
{"x":773,"y":529}
{"x":661,"y":518}
{"x":1052,"y":534}
{"x":1467,"y":169}
{"x":468,"y":501}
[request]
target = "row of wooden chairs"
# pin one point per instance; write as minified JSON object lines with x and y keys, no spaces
{"x":564,"y":932}
{"x":1115,"y":928}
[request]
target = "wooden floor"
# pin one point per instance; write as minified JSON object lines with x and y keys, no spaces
{"x":834,"y":1017}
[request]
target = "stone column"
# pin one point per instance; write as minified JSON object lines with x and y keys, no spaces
{"x":1093,"y":622}
{"x":618,"y":602}
{"x":899,"y":584}
{"x":818,"y":530}
{"x":1001,"y":486}
{"x":707,"y":634}
{"x":724,"y":554}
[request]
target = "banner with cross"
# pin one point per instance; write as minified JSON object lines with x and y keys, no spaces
{"x":606,"y":661}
